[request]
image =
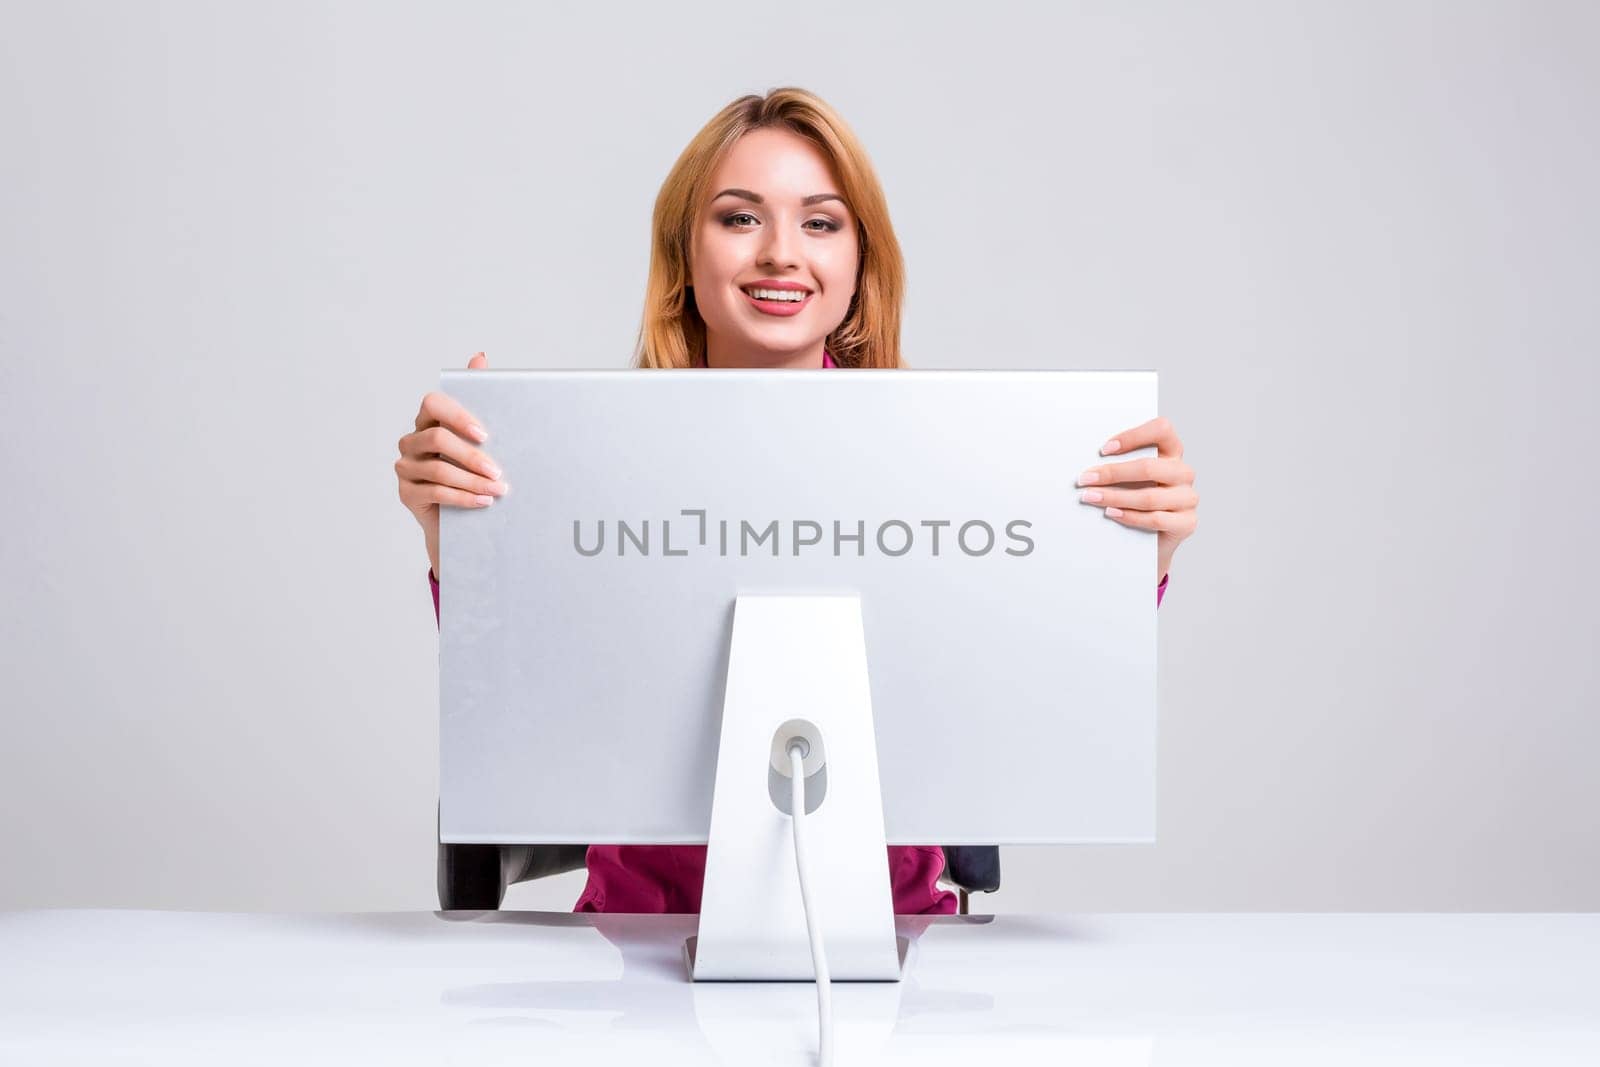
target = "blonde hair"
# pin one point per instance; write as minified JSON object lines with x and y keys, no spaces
{"x":672,"y":333}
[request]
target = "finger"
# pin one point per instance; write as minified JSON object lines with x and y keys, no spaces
{"x":1174,"y":498}
{"x":443,"y":442}
{"x":1163,"y":521}
{"x":1158,"y":431}
{"x":442,"y":409}
{"x":478,"y":362}
{"x":1160,"y":470}
{"x":420,"y":494}
{"x":443,"y":472}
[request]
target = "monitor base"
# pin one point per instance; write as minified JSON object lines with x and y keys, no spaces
{"x":902,"y":947}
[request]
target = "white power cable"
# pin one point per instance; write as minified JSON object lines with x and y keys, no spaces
{"x":819,"y":962}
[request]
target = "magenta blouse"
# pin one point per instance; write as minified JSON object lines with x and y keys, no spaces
{"x":669,"y":878}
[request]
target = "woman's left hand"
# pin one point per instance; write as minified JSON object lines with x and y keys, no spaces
{"x":1159,"y":490}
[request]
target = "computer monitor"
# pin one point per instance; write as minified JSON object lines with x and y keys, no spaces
{"x":586,"y":617}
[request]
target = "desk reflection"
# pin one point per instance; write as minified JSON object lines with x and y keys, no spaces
{"x":764,"y":1022}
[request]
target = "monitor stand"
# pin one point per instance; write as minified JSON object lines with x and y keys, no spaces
{"x":803,"y":658}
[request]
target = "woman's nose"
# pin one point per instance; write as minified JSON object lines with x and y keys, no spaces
{"x":779,"y":247}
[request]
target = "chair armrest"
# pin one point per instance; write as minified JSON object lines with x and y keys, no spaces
{"x":524,"y":863}
{"x":975,"y":868}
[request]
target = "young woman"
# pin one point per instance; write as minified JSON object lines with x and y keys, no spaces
{"x":771,"y":247}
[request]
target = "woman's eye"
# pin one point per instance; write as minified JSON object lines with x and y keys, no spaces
{"x":744,"y":218}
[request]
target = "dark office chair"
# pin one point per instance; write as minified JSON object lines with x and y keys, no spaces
{"x":474,"y":877}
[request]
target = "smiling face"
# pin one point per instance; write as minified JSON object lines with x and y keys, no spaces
{"x":776,"y":227}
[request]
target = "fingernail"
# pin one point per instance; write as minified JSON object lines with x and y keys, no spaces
{"x":478,"y":431}
{"x":1113,"y":512}
{"x":1110,"y":446}
{"x":1088,"y":477}
{"x":1090,"y":496}
{"x":485,"y":500}
{"x":493,"y":471}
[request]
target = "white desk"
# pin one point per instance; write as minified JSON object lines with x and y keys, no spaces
{"x":531,"y":987}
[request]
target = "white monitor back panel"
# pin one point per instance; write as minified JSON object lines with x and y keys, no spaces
{"x":1013,"y":671}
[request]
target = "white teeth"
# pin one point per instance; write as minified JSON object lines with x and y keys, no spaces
{"x":792,"y":295}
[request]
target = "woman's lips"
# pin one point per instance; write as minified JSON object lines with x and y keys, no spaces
{"x":778,"y":307}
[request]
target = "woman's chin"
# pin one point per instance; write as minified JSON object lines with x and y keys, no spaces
{"x":775,"y":335}
{"x":765,"y":350}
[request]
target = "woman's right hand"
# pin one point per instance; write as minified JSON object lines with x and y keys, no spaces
{"x":440,"y":463}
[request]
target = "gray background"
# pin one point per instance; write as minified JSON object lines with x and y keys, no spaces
{"x":1357,"y":240}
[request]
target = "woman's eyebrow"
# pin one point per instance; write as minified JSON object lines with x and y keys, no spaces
{"x":755,"y":198}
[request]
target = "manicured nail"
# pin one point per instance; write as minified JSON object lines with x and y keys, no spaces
{"x":1114,"y":512}
{"x":478,"y":431}
{"x":1090,"y":496}
{"x":485,"y":501}
{"x":1088,"y":477}
{"x":1110,"y":446}
{"x":492,"y":470}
